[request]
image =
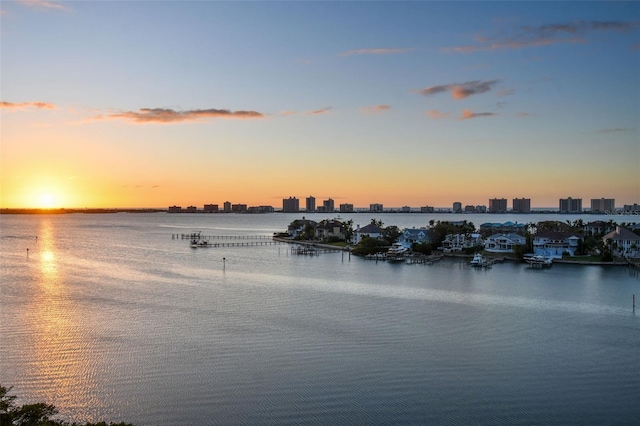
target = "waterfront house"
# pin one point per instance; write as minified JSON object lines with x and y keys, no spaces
{"x":597,"y":227}
{"x":504,"y":243}
{"x":371,"y":230}
{"x":299,"y":226}
{"x":623,"y":243}
{"x":555,"y":243}
{"x":506,"y":227}
{"x":414,"y":236}
{"x":459,"y":242}
{"x":329,"y":229}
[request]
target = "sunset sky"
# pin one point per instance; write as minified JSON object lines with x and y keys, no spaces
{"x":151,"y":104}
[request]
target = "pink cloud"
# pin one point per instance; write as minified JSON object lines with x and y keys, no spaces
{"x":42,"y":4}
{"x":468,"y":114}
{"x":25,"y":105}
{"x":436,"y":115}
{"x":164,"y":115}
{"x":319,"y":111}
{"x":460,"y":90}
{"x":374,"y":109}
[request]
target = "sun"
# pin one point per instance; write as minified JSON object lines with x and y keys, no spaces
{"x":46,"y":200}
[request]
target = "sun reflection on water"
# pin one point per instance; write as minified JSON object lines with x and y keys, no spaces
{"x":63,"y":371}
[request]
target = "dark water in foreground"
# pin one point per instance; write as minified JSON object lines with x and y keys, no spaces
{"x":110,"y":319}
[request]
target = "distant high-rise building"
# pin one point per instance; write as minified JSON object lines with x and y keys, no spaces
{"x":481,"y":209}
{"x":311,"y":204}
{"x":346,"y":208}
{"x":175,"y":209}
{"x":457,"y":207}
{"x":570,"y":205}
{"x":210,"y":208}
{"x":376,"y":208}
{"x":192,"y":209}
{"x":498,"y":205}
{"x":632,"y":208}
{"x":290,"y":205}
{"x":522,"y":205}
{"x":238,"y":208}
{"x":329,"y":205}
{"x":603,"y":205}
{"x":427,"y":209}
{"x":227,"y":207}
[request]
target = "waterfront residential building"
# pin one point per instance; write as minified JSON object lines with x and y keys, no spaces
{"x":227,"y":207}
{"x":603,"y":205}
{"x":457,"y":207}
{"x":300,"y":226}
{"x":498,"y":205}
{"x":570,"y":205}
{"x":211,"y":208}
{"x":346,"y":208}
{"x":459,"y":242}
{"x":371,"y":230}
{"x":427,"y":209}
{"x":597,"y":227}
{"x":376,"y":208}
{"x":555,"y":244}
{"x":174,"y":209}
{"x":329,"y":229}
{"x":260,"y":209}
{"x":481,"y":209}
{"x":192,"y":209}
{"x":470,"y":209}
{"x":405,"y":209}
{"x":631,"y":208}
{"x":238,"y":208}
{"x":311,"y":204}
{"x":504,"y":243}
{"x":522,"y":205}
{"x":506,"y":227}
{"x":414,"y":236}
{"x":290,"y":205}
{"x":623,"y":243}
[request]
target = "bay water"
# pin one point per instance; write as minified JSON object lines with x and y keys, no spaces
{"x":110,"y":317}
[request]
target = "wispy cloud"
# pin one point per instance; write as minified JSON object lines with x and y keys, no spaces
{"x":460,"y":90}
{"x":377,"y":51}
{"x":25,"y":105}
{"x":434,"y":114}
{"x":319,"y":111}
{"x":468,"y":114}
{"x":614,"y":130}
{"x":287,"y":112}
{"x":164,"y":115}
{"x":524,"y":114}
{"x":375,"y":109}
{"x":42,"y":4}
{"x":544,"y":35}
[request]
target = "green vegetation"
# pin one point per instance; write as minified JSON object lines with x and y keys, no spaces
{"x":370,"y":245}
{"x":38,"y":414}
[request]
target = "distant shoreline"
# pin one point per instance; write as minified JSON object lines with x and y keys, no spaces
{"x":544,"y":211}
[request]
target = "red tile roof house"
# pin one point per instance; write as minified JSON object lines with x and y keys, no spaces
{"x":623,"y":243}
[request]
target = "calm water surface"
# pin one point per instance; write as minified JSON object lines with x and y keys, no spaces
{"x":109,"y":318}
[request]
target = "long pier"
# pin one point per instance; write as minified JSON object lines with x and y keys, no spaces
{"x":219,"y":237}
{"x":242,"y":244}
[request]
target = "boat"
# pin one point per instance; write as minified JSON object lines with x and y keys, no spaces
{"x":478,"y":261}
{"x":538,"y":261}
{"x":397,"y":251}
{"x":198,"y":241}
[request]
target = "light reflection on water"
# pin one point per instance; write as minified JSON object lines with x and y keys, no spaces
{"x":111,"y":319}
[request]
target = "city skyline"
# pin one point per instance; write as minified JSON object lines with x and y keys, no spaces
{"x":145,"y":105}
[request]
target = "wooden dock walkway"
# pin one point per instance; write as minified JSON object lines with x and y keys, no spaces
{"x":197,"y":235}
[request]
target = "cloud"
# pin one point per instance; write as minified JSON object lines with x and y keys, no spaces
{"x":42,"y":4}
{"x":545,"y":35}
{"x":287,"y":112}
{"x":374,"y":109}
{"x":614,"y":130}
{"x":164,"y":115}
{"x":436,"y":115}
{"x":25,"y":105}
{"x":319,"y":111}
{"x":378,"y":51}
{"x":460,"y":90}
{"x":524,"y":114}
{"x":467,"y":114}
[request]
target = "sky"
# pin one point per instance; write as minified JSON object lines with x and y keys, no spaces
{"x":157,"y":103}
